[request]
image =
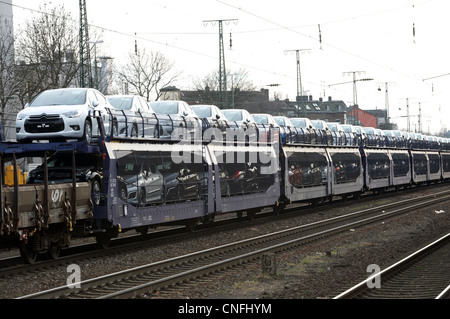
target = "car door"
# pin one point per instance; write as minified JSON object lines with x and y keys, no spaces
{"x":143,"y":118}
{"x":153,"y":182}
{"x":103,"y":107}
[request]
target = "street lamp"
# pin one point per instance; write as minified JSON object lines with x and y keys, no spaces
{"x":105,"y":74}
{"x":95,"y":60}
{"x":232,"y":88}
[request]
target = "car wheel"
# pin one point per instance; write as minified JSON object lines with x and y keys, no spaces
{"x":142,"y":197}
{"x":123,"y":193}
{"x":87,"y":134}
{"x":134,"y":131}
{"x":115,"y":128}
{"x":156,"y":131}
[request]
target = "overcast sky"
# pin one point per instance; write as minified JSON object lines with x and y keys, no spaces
{"x":401,"y":42}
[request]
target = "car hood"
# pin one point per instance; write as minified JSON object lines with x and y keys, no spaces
{"x":52,"y":109}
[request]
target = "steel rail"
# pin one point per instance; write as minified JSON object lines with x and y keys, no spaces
{"x":363,"y":287}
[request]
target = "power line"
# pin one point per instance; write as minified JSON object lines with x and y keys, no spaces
{"x":310,"y":37}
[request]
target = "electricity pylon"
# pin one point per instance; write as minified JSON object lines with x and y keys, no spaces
{"x":85,"y":58}
{"x":222,"y":70}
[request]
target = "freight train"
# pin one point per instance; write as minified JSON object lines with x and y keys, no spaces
{"x":115,"y":184}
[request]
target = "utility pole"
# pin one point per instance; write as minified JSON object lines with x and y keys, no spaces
{"x":299,"y":78}
{"x":85,"y":58}
{"x":355,"y":110}
{"x":408,"y":122}
{"x":222,"y":71}
{"x":355,"y":94}
{"x":386,"y":104}
{"x":420,"y":118}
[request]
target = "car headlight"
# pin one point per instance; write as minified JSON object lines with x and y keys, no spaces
{"x":21,"y":116}
{"x":71,"y":114}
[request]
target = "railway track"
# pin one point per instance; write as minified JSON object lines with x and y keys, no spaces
{"x":14,"y":264}
{"x":147,"y":279}
{"x":422,"y":275}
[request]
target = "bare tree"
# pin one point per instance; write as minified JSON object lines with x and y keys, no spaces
{"x":146,"y":73}
{"x":237,"y":80}
{"x":9,"y":83}
{"x":48,"y":51}
{"x":238,"y":84}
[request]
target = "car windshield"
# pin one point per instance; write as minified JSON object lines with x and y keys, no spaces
{"x":165,"y":107}
{"x":65,"y":161}
{"x":60,"y":97}
{"x":121,"y":102}
{"x":232,"y":115}
{"x":299,"y":122}
{"x":261,"y":119}
{"x":202,"y":110}
{"x":280,"y":121}
{"x":317,"y":124}
{"x":333,"y":127}
{"x":346,"y":128}
{"x":369,"y":130}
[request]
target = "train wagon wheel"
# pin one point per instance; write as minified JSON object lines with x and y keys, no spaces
{"x":54,"y":251}
{"x":103,"y":240}
{"x":28,"y":254}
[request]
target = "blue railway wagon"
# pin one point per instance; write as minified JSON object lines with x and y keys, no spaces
{"x":445,"y":164}
{"x":152,"y":184}
{"x":246,"y":177}
{"x":377,"y":168}
{"x":401,"y":171}
{"x":419,"y":166}
{"x":434,"y":166}
{"x":346,"y":171}
{"x":162,"y":183}
{"x":306,"y":172}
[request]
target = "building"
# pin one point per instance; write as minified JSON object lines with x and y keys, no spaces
{"x":328,"y":110}
{"x":258,"y":102}
{"x":371,"y":118}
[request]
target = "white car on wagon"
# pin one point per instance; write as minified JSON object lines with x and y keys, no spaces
{"x":62,"y":114}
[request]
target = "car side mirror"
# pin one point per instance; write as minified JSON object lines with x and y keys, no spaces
{"x":95,"y":103}
{"x":217,"y":116}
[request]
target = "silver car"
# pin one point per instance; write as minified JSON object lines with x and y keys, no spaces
{"x":133,"y":116}
{"x":242,"y":120}
{"x":144,"y":183}
{"x":182,"y":117}
{"x":212,"y":118}
{"x":62,"y":114}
